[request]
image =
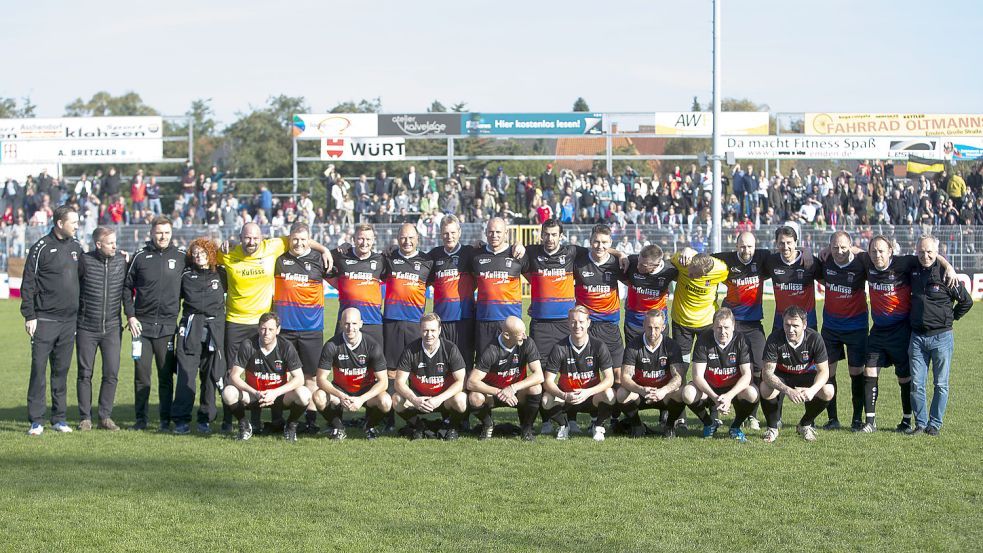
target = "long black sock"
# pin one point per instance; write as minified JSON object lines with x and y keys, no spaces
{"x":310,"y":418}
{"x":857,"y":395}
{"x":756,"y":380}
{"x":616,"y":410}
{"x":237,"y":409}
{"x":603,"y":414}
{"x":906,"y":399}
{"x":772,"y":410}
{"x":700,"y":410}
{"x":870,"y":397}
{"x":528,"y":410}
{"x":255,"y":415}
{"x":333,"y":414}
{"x":631,"y":413}
{"x":813,"y":408}
{"x":831,"y":406}
{"x":373,"y":416}
{"x":742,"y":410}
{"x":485,"y":413}
{"x":296,"y":411}
{"x":676,"y":408}
{"x":558,"y":414}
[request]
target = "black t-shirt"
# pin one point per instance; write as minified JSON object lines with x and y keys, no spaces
{"x":652,"y":366}
{"x":578,"y":367}
{"x":646,"y":291}
{"x":845,"y":308}
{"x":801,"y":359}
{"x":722,"y":362}
{"x":503,"y":366}
{"x":352,"y":369}
{"x":267,"y":371}
{"x":431,"y":374}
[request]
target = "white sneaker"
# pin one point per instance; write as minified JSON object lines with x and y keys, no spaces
{"x":598,"y":433}
{"x":752,"y":423}
{"x":61,"y":427}
{"x":807,"y":432}
{"x":563,"y":433}
{"x":573,"y":427}
{"x":36,"y":429}
{"x":547,"y":428}
{"x":770,"y":435}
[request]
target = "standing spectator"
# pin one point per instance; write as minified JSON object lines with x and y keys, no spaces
{"x":501,"y":182}
{"x":187,"y":184}
{"x":153,"y":196}
{"x":265,"y":198}
{"x":547,"y":183}
{"x":138,"y":193}
{"x":111,"y":185}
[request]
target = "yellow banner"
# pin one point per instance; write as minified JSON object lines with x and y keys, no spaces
{"x":894,"y":124}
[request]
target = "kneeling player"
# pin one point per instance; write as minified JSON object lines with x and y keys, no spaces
{"x":508,"y":374}
{"x":722,"y":376}
{"x":651,"y":376}
{"x":274,"y":378}
{"x":585,"y":377}
{"x":795,"y":366}
{"x":430,"y":378}
{"x":357,"y":368}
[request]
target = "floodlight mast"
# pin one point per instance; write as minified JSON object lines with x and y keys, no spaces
{"x":717,"y":146}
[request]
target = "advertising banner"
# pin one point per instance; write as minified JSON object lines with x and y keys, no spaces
{"x":962,"y":149}
{"x":419,"y":124}
{"x":894,"y":124}
{"x":697,"y":123}
{"x":363,"y":149}
{"x":318,"y":125}
{"x":830,"y":147}
{"x":517,"y":124}
{"x":81,"y":128}
{"x":81,"y":151}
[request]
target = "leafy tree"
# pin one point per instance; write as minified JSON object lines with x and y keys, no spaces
{"x":580,"y":104}
{"x":436,"y":107}
{"x":259,"y":142}
{"x":363,"y":106}
{"x":696,"y":104}
{"x":460,"y":107}
{"x":105,"y":104}
{"x":10,"y":109}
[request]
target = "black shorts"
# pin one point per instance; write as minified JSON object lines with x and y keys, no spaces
{"x":546,"y":333}
{"x":461,"y":334}
{"x":397,"y":337}
{"x":236,"y":334}
{"x":485,"y":334}
{"x":684,"y":336}
{"x":647,"y":404}
{"x":888,"y":346}
{"x":610,"y":334}
{"x":795,"y":380}
{"x":308,"y":344}
{"x":854,"y":341}
{"x":755,"y":335}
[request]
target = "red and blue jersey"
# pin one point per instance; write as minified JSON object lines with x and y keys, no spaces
{"x":646,"y":291}
{"x":298,"y":291}
{"x":794,"y":284}
{"x":890,"y":290}
{"x":845,"y":308}
{"x":745,"y":284}
{"x":498,"y":280}
{"x":453,"y":283}
{"x":360,"y":285}
{"x":550,"y":276}
{"x":596,"y":286}
{"x":406,"y":281}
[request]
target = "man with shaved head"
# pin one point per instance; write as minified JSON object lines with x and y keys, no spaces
{"x":508,"y":374}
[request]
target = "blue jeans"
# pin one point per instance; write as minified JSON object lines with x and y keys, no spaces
{"x":938,"y":350}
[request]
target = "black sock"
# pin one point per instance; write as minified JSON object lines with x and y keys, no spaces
{"x":558,"y":414}
{"x":238,"y":410}
{"x":484,"y":413}
{"x":603,"y":414}
{"x":255,"y":415}
{"x":870,"y":397}
{"x":391,"y":418}
{"x":311,"y":418}
{"x":906,"y":399}
{"x":335,"y":418}
{"x":296,"y":411}
{"x":663,"y":417}
{"x":712,"y":408}
{"x":373,"y":416}
{"x":676,"y":409}
{"x":631,"y":413}
{"x":831,"y":406}
{"x":742,"y":409}
{"x":772,"y":410}
{"x":813,"y":408}
{"x":857,"y":395}
{"x":756,"y":380}
{"x":528,"y":410}
{"x":700,"y":410}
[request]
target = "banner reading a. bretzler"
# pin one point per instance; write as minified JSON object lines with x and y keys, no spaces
{"x":894,"y":124}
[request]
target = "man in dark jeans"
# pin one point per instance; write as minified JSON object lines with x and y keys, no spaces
{"x":152,"y":294}
{"x":50,"y":299}
{"x":101,"y":275}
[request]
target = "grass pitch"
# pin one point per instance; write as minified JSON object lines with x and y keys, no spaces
{"x":147,"y":491}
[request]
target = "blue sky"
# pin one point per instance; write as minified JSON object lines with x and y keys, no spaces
{"x":502,"y":56}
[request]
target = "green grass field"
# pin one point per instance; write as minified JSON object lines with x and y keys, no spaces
{"x":147,"y":491}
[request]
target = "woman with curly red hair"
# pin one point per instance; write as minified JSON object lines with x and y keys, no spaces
{"x":201,"y":337}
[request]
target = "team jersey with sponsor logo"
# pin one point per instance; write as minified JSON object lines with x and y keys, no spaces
{"x":550,"y":276}
{"x":694,"y":302}
{"x":745,"y":284}
{"x":723,"y":362}
{"x":498,"y":281}
{"x":453,"y":283}
{"x":267,"y":371}
{"x":505,"y":366}
{"x":794,"y":284}
{"x":845,"y":308}
{"x":596,"y":286}
{"x":360,"y":284}
{"x":578,"y":368}
{"x":646,"y":291}
{"x":652,"y":365}
{"x":406,"y":286}
{"x":298,"y":293}
{"x":250,"y":280}
{"x":890,"y":290}
{"x":800,"y":359}
{"x":352,"y":368}
{"x":431,"y":373}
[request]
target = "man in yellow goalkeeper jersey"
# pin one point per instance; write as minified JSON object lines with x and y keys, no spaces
{"x":695,"y":298}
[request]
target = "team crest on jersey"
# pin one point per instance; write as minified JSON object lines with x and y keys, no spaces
{"x":589,"y":361}
{"x":307,"y":265}
{"x":805,"y":355}
{"x":732,"y":357}
{"x":171,"y":263}
{"x":800,"y":274}
{"x":515,"y":358}
{"x":849,"y":277}
{"x":288,"y":262}
{"x":754,"y":267}
{"x":416,"y":265}
{"x":440,"y":367}
{"x":372,"y":264}
{"x":360,"y":359}
{"x":563,"y":259}
{"x":278,"y":365}
{"x":75,"y":256}
{"x":508,"y":262}
{"x":214,"y":285}
{"x":607,"y":276}
{"x":455,"y":259}
{"x":663,"y":361}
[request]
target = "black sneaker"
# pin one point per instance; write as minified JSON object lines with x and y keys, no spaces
{"x":528,"y":435}
{"x":451,"y":434}
{"x":139,"y":425}
{"x":913,"y":431}
{"x":204,"y":428}
{"x":932,"y":431}
{"x":165,"y":426}
{"x":487,"y":430}
{"x":856,"y":426}
{"x":180,"y":428}
{"x":669,"y":432}
{"x":226,"y":428}
{"x":903,"y":427}
{"x":309,"y":428}
{"x":833,"y":424}
{"x":637,"y":431}
{"x":338,"y":434}
{"x":371,"y":434}
{"x":290,"y":432}
{"x":389,"y":429}
{"x":417,"y":434}
{"x":245,"y":431}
